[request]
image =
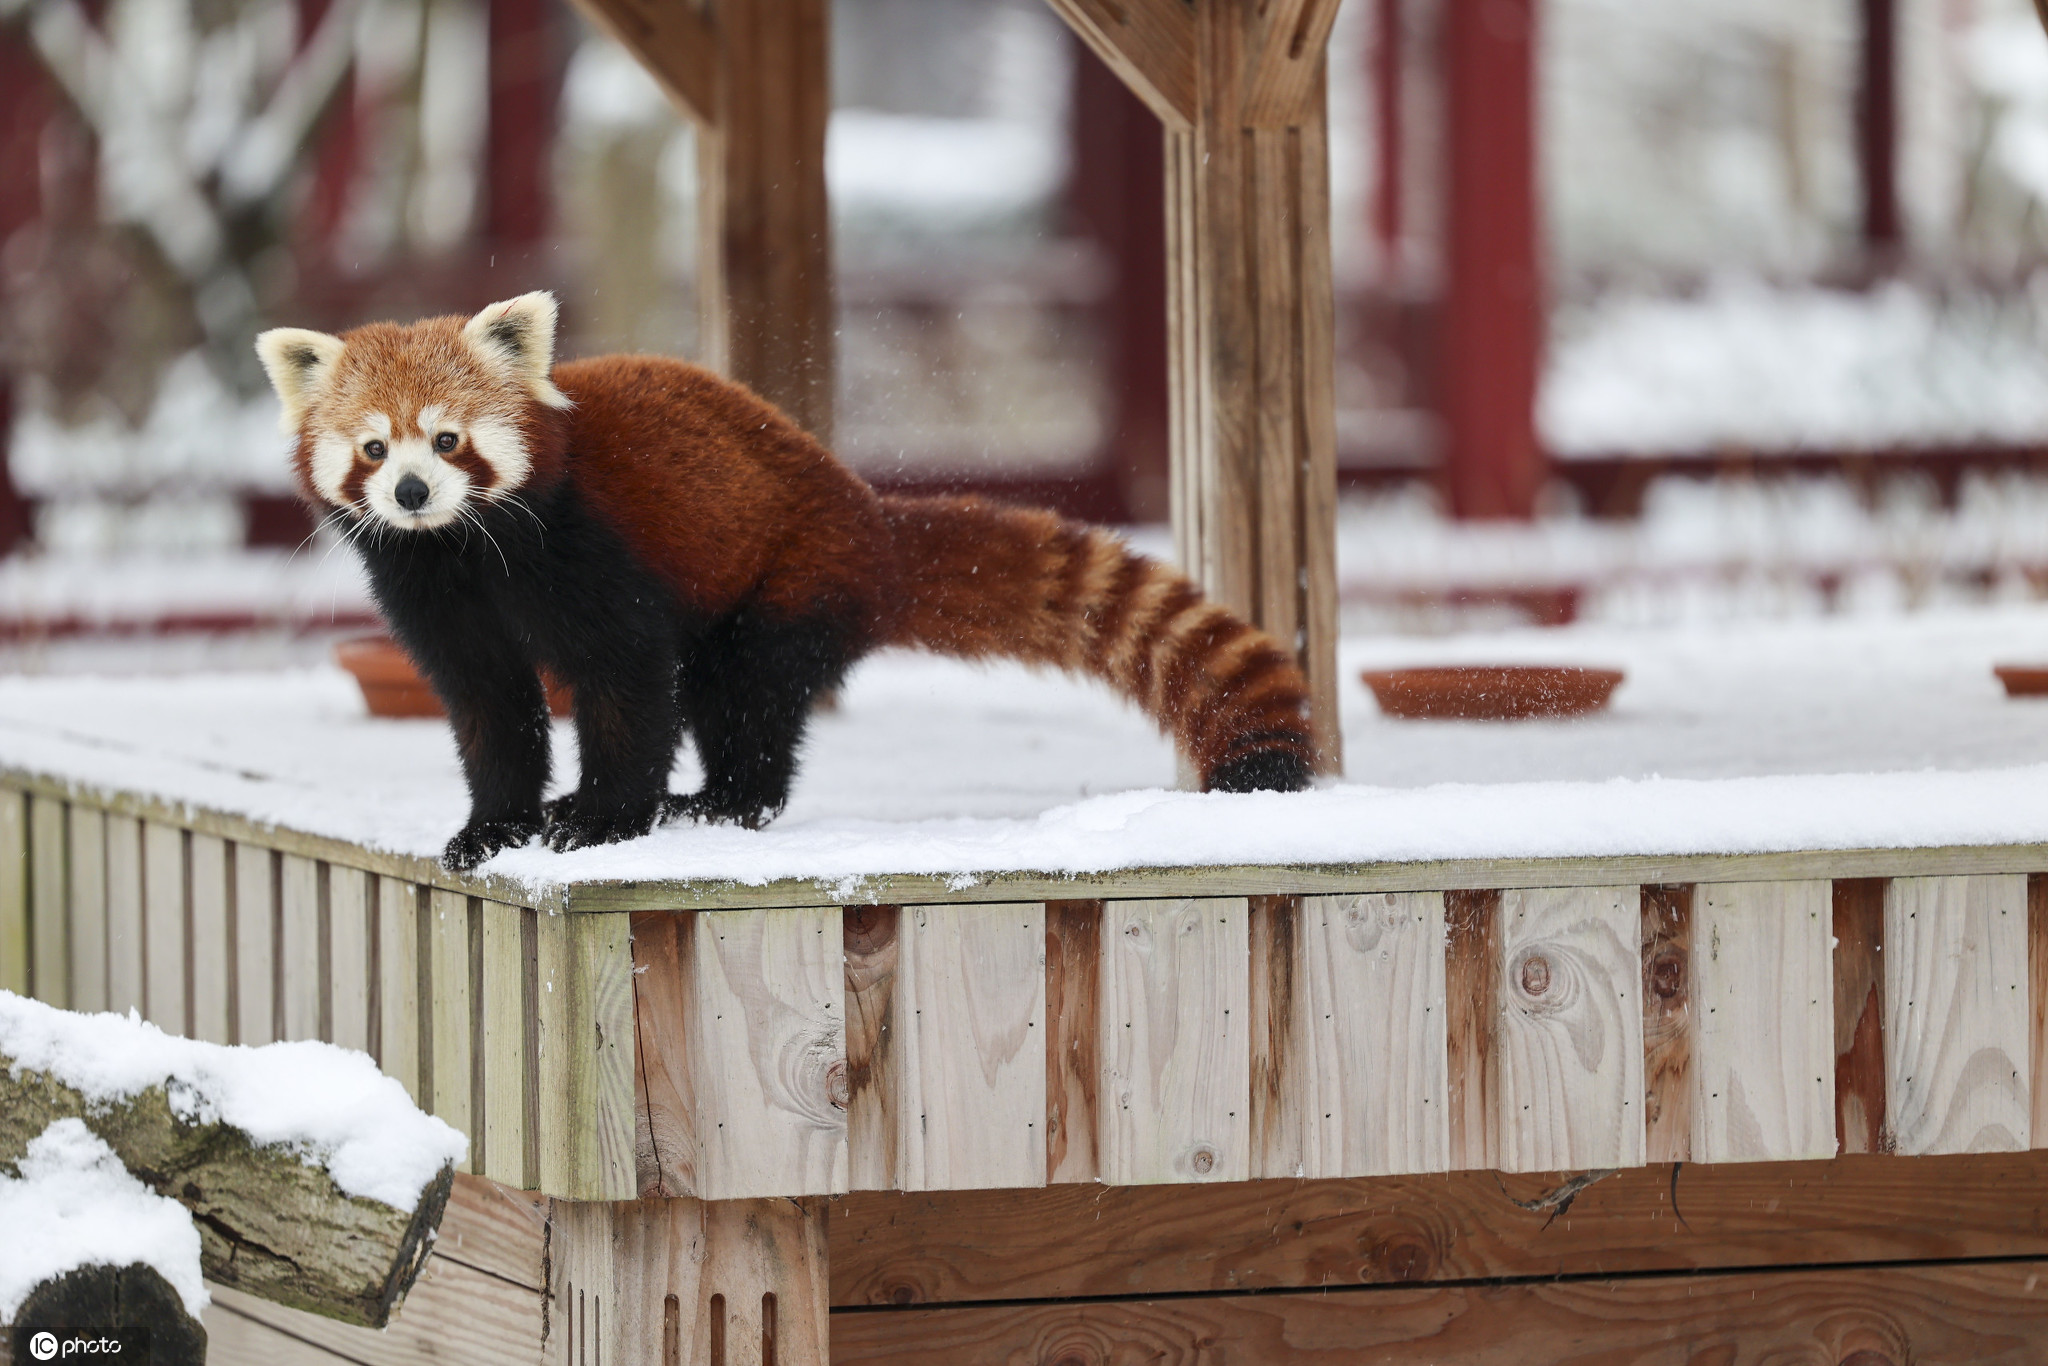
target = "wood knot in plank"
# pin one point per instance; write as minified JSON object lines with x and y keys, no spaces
{"x":1535,"y":975}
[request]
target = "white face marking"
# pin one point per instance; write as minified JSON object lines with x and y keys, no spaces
{"x":502,"y":446}
{"x":447,"y":487}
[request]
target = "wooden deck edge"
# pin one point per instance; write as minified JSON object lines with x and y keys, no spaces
{"x":1132,"y":884}
{"x":207,"y":820}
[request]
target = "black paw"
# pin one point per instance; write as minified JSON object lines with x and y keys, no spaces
{"x":713,"y":808}
{"x":479,"y":840}
{"x":571,"y":827}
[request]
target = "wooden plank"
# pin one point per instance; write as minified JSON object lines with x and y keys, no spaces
{"x":767,"y":1053}
{"x":1667,"y":1024}
{"x":1176,"y":1046}
{"x":230,"y":825}
{"x":1301,"y":879}
{"x":1073,"y":1038}
{"x":1349,"y":1054}
{"x":1471,"y":991}
{"x":166,"y":928}
{"x":664,"y":1101}
{"x":213,"y":952}
{"x":969,"y":1099}
{"x":1570,"y":1032}
{"x":1859,"y":1016}
{"x":1763,"y":1038}
{"x":14,"y":892}
{"x":348,"y":957}
{"x":585,"y":1101}
{"x":2037,"y":992}
{"x":449,"y":1083}
{"x":688,"y":1283}
{"x":398,"y":981}
{"x":259,"y":914}
{"x":88,"y":887}
{"x":453,"y":1314}
{"x":299,"y":947}
{"x":1932,"y":1316}
{"x":1957,"y":1017}
{"x":503,"y":1046}
{"x":1082,"y":1242}
{"x":871,"y":935}
{"x":124,"y":913}
{"x":49,"y":903}
{"x":1149,"y":44}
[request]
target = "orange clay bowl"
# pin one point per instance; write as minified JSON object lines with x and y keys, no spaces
{"x":1489,"y":692}
{"x":2023,"y":680}
{"x":393,"y":687}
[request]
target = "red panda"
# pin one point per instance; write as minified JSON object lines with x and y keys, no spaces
{"x":687,"y":559}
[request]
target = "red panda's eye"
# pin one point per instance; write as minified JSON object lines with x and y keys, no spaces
{"x":445,"y":442}
{"x":374,"y":449}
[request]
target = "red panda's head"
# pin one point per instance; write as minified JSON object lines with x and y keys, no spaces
{"x":412,"y":426}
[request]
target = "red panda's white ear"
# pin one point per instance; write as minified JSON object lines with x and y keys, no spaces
{"x":299,"y":364}
{"x":519,"y":335}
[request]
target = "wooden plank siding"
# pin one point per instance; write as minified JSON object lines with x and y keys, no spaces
{"x":940,"y":1046}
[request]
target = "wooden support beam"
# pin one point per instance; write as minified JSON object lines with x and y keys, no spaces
{"x":1149,"y":44}
{"x":1251,"y":336}
{"x":677,"y":43}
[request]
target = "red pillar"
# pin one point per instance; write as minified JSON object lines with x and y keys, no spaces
{"x":1877,"y":132}
{"x":523,"y":78}
{"x":26,"y":102}
{"x":1386,"y":73}
{"x":1492,"y":317}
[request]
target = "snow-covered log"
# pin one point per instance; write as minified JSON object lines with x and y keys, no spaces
{"x":310,"y":1177}
{"x":269,"y":1222}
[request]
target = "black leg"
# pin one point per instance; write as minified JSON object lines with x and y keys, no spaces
{"x":500,"y":718}
{"x":627,"y":730}
{"x":747,"y":689}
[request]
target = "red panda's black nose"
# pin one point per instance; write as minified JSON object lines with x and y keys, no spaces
{"x":411,"y":493}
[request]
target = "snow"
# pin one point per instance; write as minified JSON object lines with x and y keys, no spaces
{"x":1747,"y":366}
{"x":314,"y":585}
{"x":331,"y":1105}
{"x":74,"y":1205}
{"x":1842,"y":733}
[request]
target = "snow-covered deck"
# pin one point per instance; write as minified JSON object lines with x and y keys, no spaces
{"x":987,"y":946}
{"x":1741,"y":740}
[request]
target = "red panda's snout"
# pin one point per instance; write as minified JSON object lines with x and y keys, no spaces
{"x":416,"y":428}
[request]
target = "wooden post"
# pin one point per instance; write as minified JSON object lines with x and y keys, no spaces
{"x":1240,"y":87}
{"x":1251,"y":330}
{"x":1877,"y":133}
{"x":754,"y":76}
{"x":1492,"y":304}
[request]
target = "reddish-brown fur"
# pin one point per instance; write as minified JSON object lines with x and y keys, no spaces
{"x":731,"y":504}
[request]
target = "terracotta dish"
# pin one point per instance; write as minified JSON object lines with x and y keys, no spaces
{"x":2023,"y":680}
{"x":1491,"y":692}
{"x":393,"y":687}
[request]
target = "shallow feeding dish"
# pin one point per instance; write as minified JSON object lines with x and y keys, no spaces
{"x":1491,"y":692}
{"x":392,"y":687}
{"x":2023,"y":680}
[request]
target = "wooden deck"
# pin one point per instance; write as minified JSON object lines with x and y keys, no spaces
{"x":736,"y":1057}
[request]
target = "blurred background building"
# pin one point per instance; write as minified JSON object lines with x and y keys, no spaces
{"x":1646,"y":308}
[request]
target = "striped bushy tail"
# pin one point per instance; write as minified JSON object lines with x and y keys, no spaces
{"x":982,"y":580}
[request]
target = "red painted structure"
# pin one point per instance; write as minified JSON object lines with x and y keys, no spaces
{"x":1492,"y":306}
